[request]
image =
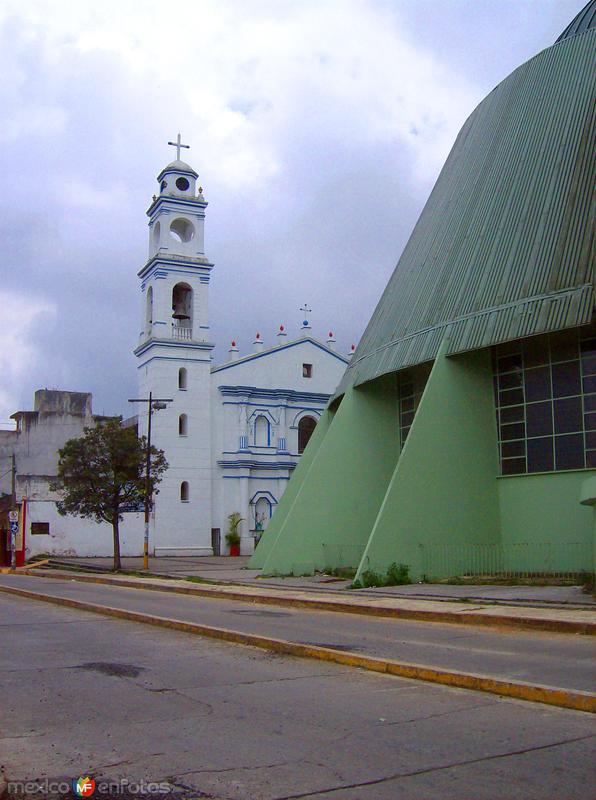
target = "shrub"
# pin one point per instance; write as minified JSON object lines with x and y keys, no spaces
{"x":397,"y":575}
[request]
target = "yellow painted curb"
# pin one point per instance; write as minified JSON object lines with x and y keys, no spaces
{"x":340,"y":606}
{"x":563,"y":698}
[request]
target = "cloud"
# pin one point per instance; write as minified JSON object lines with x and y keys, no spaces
{"x":24,"y":320}
{"x":317,"y":127}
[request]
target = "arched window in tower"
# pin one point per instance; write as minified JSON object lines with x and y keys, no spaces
{"x":182,"y":378}
{"x":156,"y":233}
{"x":262,"y":432}
{"x":184,"y":492}
{"x":182,"y":425}
{"x":182,"y":230}
{"x":182,"y":311}
{"x":149,"y":312}
{"x":306,"y":427}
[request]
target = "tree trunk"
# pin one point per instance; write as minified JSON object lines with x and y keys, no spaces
{"x":116,"y":532}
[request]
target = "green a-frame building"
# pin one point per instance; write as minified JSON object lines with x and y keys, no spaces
{"x":462,"y":437}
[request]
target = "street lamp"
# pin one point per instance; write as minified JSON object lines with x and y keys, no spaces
{"x":153,"y":404}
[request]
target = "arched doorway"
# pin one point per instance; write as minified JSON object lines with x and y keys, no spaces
{"x":306,"y":428}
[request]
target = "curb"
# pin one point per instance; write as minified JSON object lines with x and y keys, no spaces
{"x":467,"y":618}
{"x":563,"y":698}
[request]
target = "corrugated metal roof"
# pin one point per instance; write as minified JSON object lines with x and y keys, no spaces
{"x":585,"y":20}
{"x":504,"y":247}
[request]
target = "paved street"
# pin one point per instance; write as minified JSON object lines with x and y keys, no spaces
{"x":85,"y":693}
{"x":561,"y":660}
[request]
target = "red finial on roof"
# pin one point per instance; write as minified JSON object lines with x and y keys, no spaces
{"x":281,"y":327}
{"x":233,"y":343}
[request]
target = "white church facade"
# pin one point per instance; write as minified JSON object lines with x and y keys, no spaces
{"x":232,"y":432}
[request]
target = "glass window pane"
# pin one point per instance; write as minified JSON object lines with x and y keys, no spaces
{"x":510,"y":363}
{"x":590,"y":384}
{"x":512,"y":449}
{"x":591,"y":440}
{"x":512,"y":414}
{"x":536,"y":351}
{"x":568,"y":415}
{"x":540,"y":455}
{"x":510,"y":380}
{"x":590,"y":402}
{"x":537,"y":383}
{"x":513,"y":466}
{"x":563,"y":346}
{"x":539,"y":419}
{"x":566,"y":380}
{"x":511,"y":397}
{"x":515,"y":431}
{"x":569,"y":451}
{"x":591,"y":458}
{"x":407,"y":418}
{"x":590,"y":422}
{"x":589,"y":365}
{"x":588,"y":347}
{"x":407,"y":404}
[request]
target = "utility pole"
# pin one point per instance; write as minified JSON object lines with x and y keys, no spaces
{"x":13,"y":506}
{"x":153,"y":404}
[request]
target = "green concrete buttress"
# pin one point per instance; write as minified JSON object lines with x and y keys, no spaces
{"x":288,"y":498}
{"x":443,"y":487}
{"x":336,"y":502}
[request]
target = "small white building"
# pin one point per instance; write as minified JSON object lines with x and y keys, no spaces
{"x":232,"y":433}
{"x":57,"y":416}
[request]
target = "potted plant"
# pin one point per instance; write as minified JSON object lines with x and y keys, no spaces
{"x":232,"y":536}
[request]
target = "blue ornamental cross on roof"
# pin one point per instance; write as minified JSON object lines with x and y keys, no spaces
{"x":306,"y":311}
{"x":178,"y":145}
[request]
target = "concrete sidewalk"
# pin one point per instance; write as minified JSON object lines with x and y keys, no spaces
{"x":561,"y":620}
{"x":223,"y":569}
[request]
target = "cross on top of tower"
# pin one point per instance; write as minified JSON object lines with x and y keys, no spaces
{"x":178,"y":145}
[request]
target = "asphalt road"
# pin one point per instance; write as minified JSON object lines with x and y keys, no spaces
{"x":562,"y":660}
{"x":82,"y":693}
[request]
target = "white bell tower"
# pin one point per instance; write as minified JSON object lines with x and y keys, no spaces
{"x":174,"y":360}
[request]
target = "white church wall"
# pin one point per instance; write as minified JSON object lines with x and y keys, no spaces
{"x":181,"y":527}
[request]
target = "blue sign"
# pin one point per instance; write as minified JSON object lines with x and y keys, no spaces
{"x":14,"y":527}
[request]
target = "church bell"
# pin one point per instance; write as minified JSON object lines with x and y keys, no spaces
{"x":179,"y":311}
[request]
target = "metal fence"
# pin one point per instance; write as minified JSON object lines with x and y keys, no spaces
{"x":342,"y":555}
{"x":515,"y":560}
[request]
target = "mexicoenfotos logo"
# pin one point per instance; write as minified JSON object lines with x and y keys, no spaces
{"x":83,"y":787}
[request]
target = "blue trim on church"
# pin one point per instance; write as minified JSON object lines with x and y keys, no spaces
{"x":274,"y":394}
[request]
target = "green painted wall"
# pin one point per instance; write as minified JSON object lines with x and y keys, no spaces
{"x":336,"y":501}
{"x":542,"y":520}
{"x":443,"y":488}
{"x":289,"y":496}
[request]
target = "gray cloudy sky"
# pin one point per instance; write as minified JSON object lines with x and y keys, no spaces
{"x":318,"y":128}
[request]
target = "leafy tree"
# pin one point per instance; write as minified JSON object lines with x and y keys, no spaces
{"x":104,"y":470}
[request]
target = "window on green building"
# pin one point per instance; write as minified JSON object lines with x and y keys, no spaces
{"x":411,"y":383}
{"x":545,"y":398}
